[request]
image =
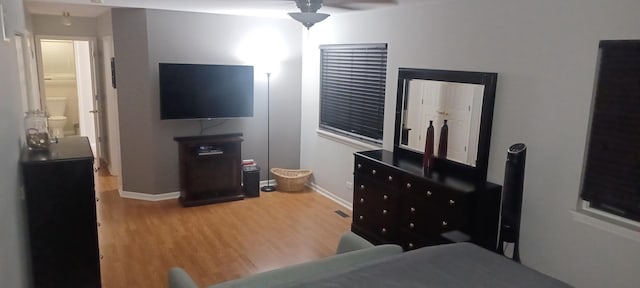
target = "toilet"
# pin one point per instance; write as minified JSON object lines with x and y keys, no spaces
{"x":56,"y":108}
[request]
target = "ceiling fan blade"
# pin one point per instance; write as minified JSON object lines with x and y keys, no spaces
{"x":357,"y":4}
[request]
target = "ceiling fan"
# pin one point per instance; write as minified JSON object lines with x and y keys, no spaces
{"x":309,"y":15}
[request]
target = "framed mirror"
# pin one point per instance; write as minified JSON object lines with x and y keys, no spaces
{"x":463,"y":100}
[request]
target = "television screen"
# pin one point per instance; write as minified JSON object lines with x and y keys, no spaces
{"x":198,"y":91}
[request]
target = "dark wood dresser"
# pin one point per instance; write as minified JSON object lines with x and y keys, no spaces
{"x":394,"y":201}
{"x":61,"y":214}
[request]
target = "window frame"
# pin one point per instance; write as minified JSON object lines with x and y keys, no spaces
{"x":378,"y":92}
{"x":585,"y":210}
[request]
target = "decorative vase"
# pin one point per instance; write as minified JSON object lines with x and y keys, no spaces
{"x":444,"y":140}
{"x":36,"y":130}
{"x":427,"y":160}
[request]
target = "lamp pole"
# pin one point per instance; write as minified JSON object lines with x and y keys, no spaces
{"x":268,"y":187}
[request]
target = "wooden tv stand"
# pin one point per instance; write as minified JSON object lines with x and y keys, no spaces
{"x":209,"y":169}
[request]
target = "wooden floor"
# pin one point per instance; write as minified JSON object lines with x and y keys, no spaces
{"x":141,"y":240}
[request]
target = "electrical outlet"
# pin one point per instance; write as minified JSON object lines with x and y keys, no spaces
{"x":349,"y":185}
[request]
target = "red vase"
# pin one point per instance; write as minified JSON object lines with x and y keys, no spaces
{"x":444,"y":140}
{"x":427,"y":160}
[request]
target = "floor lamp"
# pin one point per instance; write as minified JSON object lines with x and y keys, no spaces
{"x":268,"y":187}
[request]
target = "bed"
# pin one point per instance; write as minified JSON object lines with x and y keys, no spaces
{"x":443,"y":266}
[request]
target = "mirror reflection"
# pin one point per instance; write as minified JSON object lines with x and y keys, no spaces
{"x":459,"y":105}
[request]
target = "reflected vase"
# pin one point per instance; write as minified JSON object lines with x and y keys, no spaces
{"x":427,"y":160}
{"x":444,"y":140}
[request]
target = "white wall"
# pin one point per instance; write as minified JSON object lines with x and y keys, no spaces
{"x":13,"y":269}
{"x":545,"y":54}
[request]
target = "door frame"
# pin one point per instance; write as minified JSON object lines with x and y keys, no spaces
{"x":96,"y":82}
{"x":111,"y":105}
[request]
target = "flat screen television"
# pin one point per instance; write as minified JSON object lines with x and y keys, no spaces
{"x":201,"y":91}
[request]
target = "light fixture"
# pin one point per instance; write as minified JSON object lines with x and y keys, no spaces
{"x":66,"y":18}
{"x":308,"y":12}
{"x":268,"y":187}
{"x":308,"y":18}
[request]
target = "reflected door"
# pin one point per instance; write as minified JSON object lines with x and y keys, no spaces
{"x":457,"y":105}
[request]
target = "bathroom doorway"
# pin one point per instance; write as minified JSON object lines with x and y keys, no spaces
{"x":68,"y":87}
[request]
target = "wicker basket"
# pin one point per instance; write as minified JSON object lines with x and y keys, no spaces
{"x":289,"y":180}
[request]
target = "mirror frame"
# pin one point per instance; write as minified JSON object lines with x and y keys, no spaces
{"x":479,"y":172}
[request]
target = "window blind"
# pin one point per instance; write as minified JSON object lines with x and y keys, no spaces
{"x":611,"y":179}
{"x":352,"y":89}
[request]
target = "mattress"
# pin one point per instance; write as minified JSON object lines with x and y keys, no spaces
{"x":444,"y":266}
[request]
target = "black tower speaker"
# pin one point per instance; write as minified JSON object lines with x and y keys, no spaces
{"x":512,"y":198}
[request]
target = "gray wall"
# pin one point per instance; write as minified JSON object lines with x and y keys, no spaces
{"x":134,"y":103}
{"x":104,"y":25}
{"x":545,"y":53}
{"x":51,"y":25}
{"x":13,"y":271}
{"x":145,"y":38}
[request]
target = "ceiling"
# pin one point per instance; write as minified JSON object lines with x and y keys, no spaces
{"x":267,"y":8}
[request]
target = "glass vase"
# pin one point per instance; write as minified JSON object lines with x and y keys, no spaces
{"x":36,"y":129}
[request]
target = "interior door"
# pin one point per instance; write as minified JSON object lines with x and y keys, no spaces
{"x":111,"y":97}
{"x":458,"y":101}
{"x":432,"y":105}
{"x":87,"y":95}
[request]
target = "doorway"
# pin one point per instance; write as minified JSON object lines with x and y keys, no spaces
{"x":68,"y":88}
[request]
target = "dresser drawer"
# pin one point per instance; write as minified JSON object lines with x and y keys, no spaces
{"x":375,"y":206}
{"x":376,"y":170}
{"x":394,"y":201}
{"x":429,"y":209}
{"x":373,"y":194}
{"x":379,"y":222}
{"x":380,"y":229}
{"x":410,"y":241}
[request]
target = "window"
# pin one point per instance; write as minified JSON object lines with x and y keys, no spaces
{"x":352,"y":90}
{"x":610,"y":181}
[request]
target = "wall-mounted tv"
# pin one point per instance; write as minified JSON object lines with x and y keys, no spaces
{"x":201,"y":91}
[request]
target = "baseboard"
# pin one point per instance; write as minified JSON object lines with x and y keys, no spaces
{"x":265,"y":183}
{"x":330,"y":195}
{"x":149,"y":197}
{"x":176,"y":195}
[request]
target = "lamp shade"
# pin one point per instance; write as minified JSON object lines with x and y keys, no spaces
{"x":307,"y":18}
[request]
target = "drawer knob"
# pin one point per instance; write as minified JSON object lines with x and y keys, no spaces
{"x":412,"y":209}
{"x":361,"y":200}
{"x":408,"y":185}
{"x":411,"y":225}
{"x":390,"y":178}
{"x":361,"y":187}
{"x":97,"y":199}
{"x":384,"y":211}
{"x":383,"y":230}
{"x":444,"y":223}
{"x":451,"y":202}
{"x":101,"y":256}
{"x":385,"y":197}
{"x":99,"y":224}
{"x":429,"y":193}
{"x":410,"y":245}
{"x":359,"y":165}
{"x":373,"y":171}
{"x":361,"y":217}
